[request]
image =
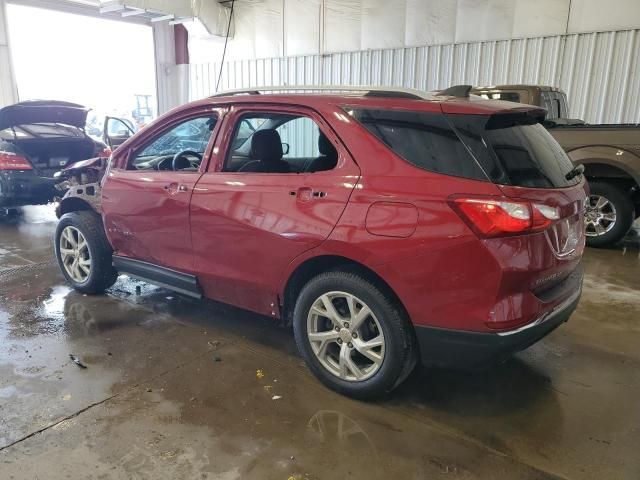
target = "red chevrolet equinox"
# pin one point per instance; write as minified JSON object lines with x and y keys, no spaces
{"x":387,"y":226}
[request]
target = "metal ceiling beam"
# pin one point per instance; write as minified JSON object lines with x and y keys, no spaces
{"x":85,"y":8}
{"x":211,"y":14}
{"x":111,"y":7}
{"x":163,"y":18}
{"x":132,"y":12}
{"x":179,"y":21}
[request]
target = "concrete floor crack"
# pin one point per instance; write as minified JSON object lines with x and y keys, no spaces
{"x":58,"y":422}
{"x":100,"y":402}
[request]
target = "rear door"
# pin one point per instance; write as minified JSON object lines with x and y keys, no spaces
{"x":249,"y":225}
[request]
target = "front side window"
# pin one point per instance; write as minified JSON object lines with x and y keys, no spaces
{"x":270,"y":142}
{"x":179,"y":148}
{"x":120,"y":127}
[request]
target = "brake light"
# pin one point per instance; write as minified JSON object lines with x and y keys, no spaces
{"x":12,"y":161}
{"x":105,"y":152}
{"x":499,"y":217}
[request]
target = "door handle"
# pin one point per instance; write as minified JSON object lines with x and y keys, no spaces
{"x":303,"y":194}
{"x":175,"y":187}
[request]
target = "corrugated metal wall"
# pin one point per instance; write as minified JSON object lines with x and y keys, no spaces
{"x":8,"y":92}
{"x":599,"y":71}
{"x":7,"y":87}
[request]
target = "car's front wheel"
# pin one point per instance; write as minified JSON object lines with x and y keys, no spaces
{"x":353,"y":336}
{"x":83,"y":252}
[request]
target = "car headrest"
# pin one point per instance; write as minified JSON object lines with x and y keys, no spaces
{"x":266,"y":146}
{"x":325,"y":147}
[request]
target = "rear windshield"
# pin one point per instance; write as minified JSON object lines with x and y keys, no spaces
{"x":40,"y":130}
{"x":508,"y":149}
{"x":506,"y":96}
{"x":514,"y":149}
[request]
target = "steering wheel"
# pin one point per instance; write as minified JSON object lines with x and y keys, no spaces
{"x":180,"y":161}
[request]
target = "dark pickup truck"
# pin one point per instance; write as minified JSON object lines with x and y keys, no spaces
{"x":609,"y":153}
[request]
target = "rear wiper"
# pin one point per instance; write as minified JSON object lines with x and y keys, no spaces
{"x":574,"y":172}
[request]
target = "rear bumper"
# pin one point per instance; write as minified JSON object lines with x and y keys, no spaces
{"x":19,"y":188}
{"x":464,"y":349}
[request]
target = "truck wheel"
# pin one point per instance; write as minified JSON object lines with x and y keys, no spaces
{"x":609,"y":214}
{"x":83,"y":252}
{"x":353,"y":337}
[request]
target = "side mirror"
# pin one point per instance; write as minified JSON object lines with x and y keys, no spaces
{"x":285,"y":148}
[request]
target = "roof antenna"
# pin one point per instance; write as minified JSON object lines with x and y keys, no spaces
{"x":456,"y":91}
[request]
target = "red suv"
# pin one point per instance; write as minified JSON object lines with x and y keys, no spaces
{"x":388,"y":226}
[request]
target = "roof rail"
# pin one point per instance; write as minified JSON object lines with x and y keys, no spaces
{"x":394,"y":92}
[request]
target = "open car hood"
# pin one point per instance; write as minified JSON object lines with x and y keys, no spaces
{"x":43,"y":111}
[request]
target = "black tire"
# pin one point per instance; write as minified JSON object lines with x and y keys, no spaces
{"x":400,"y":353}
{"x":102,"y":275}
{"x":624,"y":213}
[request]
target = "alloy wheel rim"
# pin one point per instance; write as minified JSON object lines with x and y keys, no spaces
{"x":345,"y":336}
{"x":600,"y":216}
{"x":75,"y":255}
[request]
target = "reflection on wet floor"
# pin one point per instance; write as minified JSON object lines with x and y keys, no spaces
{"x":26,"y":237}
{"x":171,"y":390}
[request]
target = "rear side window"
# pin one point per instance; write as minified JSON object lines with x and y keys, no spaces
{"x":514,"y":149}
{"x":425,"y":140}
{"x":506,"y":148}
{"x":506,"y":96}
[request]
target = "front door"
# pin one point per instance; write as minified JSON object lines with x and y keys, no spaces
{"x":116,"y":131}
{"x":146,"y":199}
{"x":277,"y":188}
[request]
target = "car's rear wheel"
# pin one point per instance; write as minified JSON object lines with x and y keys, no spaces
{"x":355,"y":338}
{"x":609,"y":214}
{"x":83,"y":252}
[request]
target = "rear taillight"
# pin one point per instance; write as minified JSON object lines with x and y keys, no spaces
{"x":105,"y":152}
{"x":12,"y":161}
{"x":494,"y":217}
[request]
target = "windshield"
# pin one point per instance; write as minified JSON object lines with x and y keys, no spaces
{"x":191,"y":135}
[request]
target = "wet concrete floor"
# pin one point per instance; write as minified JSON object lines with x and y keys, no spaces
{"x":176,"y":388}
